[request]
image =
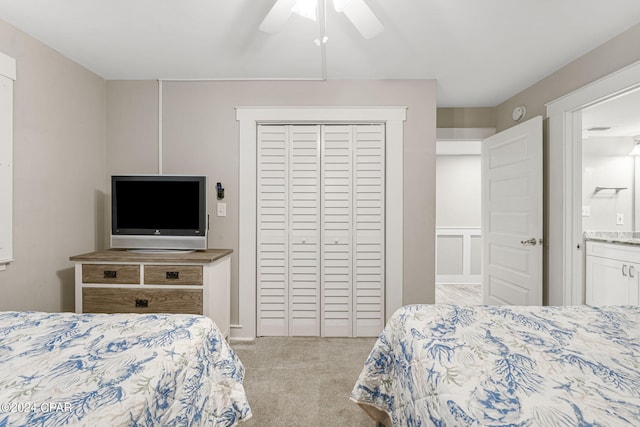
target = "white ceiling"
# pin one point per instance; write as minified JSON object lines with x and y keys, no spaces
{"x":620,"y":114}
{"x":480,"y":51}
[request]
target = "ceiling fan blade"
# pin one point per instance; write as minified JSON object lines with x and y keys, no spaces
{"x":277,"y":16}
{"x":363,"y":18}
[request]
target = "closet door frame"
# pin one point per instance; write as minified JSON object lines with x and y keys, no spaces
{"x":249,"y":118}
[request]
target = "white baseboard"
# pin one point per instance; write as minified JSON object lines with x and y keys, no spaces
{"x":236,"y":335}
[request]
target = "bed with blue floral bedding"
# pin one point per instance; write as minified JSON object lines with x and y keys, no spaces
{"x":66,"y":369}
{"x":446,"y":365}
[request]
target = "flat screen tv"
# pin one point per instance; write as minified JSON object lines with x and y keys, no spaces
{"x":159,"y":212}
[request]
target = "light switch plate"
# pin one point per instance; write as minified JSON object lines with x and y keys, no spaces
{"x":586,"y":211}
{"x":221,"y":209}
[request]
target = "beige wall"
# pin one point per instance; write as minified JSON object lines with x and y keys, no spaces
{"x":200,"y":136}
{"x":483,"y":117}
{"x":611,"y":56}
{"x":132,"y":123}
{"x":59,"y":173}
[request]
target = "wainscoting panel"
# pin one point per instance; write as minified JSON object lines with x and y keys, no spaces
{"x":458,"y":255}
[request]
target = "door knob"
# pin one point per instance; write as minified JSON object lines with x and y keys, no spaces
{"x":530,"y":242}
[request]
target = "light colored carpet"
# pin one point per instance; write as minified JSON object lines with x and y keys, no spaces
{"x":303,"y":381}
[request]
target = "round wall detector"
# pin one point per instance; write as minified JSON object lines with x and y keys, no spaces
{"x":518,"y":113}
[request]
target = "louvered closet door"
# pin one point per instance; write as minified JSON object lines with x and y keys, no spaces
{"x":337,"y":204}
{"x":353,"y":175}
{"x":304,"y":230}
{"x":320,"y":230}
{"x":272,"y":231}
{"x":368,"y":220}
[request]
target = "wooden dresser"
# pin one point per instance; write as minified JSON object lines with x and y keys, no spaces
{"x":120,"y":281}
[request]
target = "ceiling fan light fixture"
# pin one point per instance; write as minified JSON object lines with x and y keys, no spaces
{"x":636,"y":150}
{"x":357,"y":11}
{"x":339,"y":5}
{"x":363,"y":18}
{"x":306,"y":8}
{"x":277,"y":16}
{"x":321,"y":41}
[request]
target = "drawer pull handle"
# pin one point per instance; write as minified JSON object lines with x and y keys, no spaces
{"x":110,"y":274}
{"x":142,"y":303}
{"x":631,"y":270}
{"x":624,"y":270}
{"x":173,"y":275}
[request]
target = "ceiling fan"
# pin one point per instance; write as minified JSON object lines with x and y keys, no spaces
{"x":356,"y":11}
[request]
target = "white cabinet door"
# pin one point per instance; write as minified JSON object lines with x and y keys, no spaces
{"x":609,"y":282}
{"x":634,"y":288}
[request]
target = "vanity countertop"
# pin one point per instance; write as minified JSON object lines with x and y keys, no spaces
{"x":617,"y":237}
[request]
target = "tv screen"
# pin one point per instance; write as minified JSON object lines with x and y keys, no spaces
{"x":160,"y":206}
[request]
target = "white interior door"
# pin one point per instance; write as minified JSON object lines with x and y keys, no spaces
{"x":512,"y":215}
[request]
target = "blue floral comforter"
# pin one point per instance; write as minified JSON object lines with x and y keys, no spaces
{"x":445,"y":365}
{"x":62,"y":369}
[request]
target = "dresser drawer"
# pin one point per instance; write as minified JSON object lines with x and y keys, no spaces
{"x":123,"y":300}
{"x":111,"y":273}
{"x":173,"y":274}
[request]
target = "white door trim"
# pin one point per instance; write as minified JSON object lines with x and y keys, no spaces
{"x":565,"y":229}
{"x":248,"y":118}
